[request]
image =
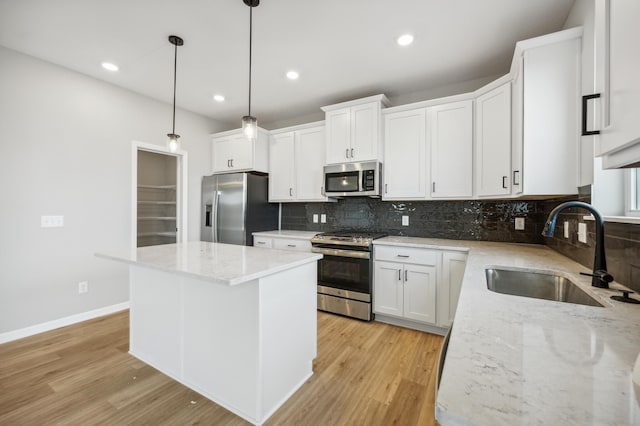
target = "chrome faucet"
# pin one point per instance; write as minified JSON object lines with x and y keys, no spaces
{"x":600,"y":277}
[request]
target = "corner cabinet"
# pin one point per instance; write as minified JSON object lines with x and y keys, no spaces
{"x":353,"y":130}
{"x":493,"y":142}
{"x":417,"y":287}
{"x":617,"y":62}
{"x":546,"y":123}
{"x":297,"y":160}
{"x":233,"y":152}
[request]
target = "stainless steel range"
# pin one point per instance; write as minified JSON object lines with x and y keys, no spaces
{"x":345,"y":273}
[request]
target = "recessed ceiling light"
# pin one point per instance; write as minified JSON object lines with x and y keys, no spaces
{"x":218,"y":98}
{"x":405,"y":40}
{"x":109,"y":66}
{"x":292,"y":75}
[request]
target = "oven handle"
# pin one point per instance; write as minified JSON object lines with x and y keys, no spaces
{"x":342,"y":253}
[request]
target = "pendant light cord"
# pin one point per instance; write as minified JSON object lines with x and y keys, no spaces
{"x":250,"y":44}
{"x":175,"y":71}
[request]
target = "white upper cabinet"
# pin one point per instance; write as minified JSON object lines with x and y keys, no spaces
{"x":297,"y":159}
{"x":618,"y":64}
{"x":232,"y":152}
{"x":546,"y":98}
{"x":282,"y":169}
{"x":309,"y":160}
{"x":405,"y":145}
{"x":353,"y":130}
{"x":450,"y":135}
{"x":493,"y":142}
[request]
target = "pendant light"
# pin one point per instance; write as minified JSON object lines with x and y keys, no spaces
{"x":250,"y":123}
{"x":173,"y":142}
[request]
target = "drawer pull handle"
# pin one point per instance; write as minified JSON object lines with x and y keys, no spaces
{"x":403,"y":255}
{"x":291,"y":245}
{"x":261,"y":242}
{"x":405,"y":276}
{"x":399,"y":275}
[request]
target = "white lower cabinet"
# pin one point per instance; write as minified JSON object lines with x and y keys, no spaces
{"x":284,"y":240}
{"x":419,"y":286}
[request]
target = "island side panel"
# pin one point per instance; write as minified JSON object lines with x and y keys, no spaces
{"x":288,"y":333}
{"x":221,"y":344}
{"x":156,"y":319}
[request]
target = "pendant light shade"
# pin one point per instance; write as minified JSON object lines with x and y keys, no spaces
{"x":249,"y":122}
{"x":173,"y":140}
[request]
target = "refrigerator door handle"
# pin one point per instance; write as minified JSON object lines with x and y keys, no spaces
{"x":216,"y":199}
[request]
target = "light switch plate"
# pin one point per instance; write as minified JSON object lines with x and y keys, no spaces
{"x":323,"y":218}
{"x":582,"y":232}
{"x":405,"y":220}
{"x":566,"y":229}
{"x":519,"y":223}
{"x":315,"y":218}
{"x":51,"y":221}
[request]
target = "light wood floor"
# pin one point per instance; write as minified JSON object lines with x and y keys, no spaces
{"x":365,"y":374}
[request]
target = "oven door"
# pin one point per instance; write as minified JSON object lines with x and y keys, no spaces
{"x":348,"y":270}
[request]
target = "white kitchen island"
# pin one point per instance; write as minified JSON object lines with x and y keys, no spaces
{"x":236,"y":324}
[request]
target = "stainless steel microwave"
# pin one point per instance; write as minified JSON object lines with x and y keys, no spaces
{"x":353,"y":179}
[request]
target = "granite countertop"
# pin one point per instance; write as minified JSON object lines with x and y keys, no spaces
{"x":301,"y":235}
{"x":220,"y":263}
{"x":517,"y":360}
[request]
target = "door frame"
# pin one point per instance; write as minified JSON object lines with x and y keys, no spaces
{"x":181,"y":188}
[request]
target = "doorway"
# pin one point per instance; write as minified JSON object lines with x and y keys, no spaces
{"x":159,"y":205}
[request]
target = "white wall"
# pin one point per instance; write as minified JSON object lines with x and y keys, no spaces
{"x":66,"y":150}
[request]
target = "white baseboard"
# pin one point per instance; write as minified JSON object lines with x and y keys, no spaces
{"x":62,"y":322}
{"x":400,"y":322}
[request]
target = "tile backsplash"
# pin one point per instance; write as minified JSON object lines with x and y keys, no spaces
{"x":490,"y":220}
{"x":487,"y":220}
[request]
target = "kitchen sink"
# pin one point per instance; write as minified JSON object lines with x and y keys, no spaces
{"x":539,"y":285}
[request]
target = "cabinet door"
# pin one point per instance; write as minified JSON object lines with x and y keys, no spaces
{"x":222,"y":153}
{"x":338,"y":124}
{"x":451,"y":141}
{"x":387,"y":291}
{"x":420,"y":293}
{"x":309,"y":161}
{"x":281,"y":168}
{"x":620,"y":58}
{"x":405,"y":145}
{"x":493,"y":142}
{"x":453,"y":266}
{"x":232,"y":153}
{"x":365,"y":123}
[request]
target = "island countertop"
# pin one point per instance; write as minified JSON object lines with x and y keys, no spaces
{"x":518,"y":360}
{"x":220,"y":263}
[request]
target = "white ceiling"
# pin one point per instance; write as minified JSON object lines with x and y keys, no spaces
{"x":343,"y":49}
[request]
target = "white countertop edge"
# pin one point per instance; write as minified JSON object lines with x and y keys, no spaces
{"x":284,"y":233}
{"x":427,"y":243}
{"x":230,"y":282}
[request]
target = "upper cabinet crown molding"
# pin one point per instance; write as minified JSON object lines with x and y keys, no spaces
{"x":348,"y":104}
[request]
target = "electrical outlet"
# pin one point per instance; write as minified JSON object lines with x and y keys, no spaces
{"x":405,"y":220}
{"x":582,"y":232}
{"x":315,"y":218}
{"x":83,"y":287}
{"x":51,"y":221}
{"x":566,"y":229}
{"x":519,"y":223}
{"x":323,"y":218}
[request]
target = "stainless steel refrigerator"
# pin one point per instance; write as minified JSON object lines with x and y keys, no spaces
{"x":234,"y":206}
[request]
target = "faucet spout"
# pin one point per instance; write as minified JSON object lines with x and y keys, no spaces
{"x":600,"y":277}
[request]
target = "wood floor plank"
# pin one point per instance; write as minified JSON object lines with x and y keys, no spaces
{"x":366,"y":373}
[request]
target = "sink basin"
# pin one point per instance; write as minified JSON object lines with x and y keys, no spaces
{"x":539,"y":285}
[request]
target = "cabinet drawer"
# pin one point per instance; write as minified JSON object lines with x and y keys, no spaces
{"x":263,"y":242}
{"x":292,"y":244}
{"x":407,"y":255}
